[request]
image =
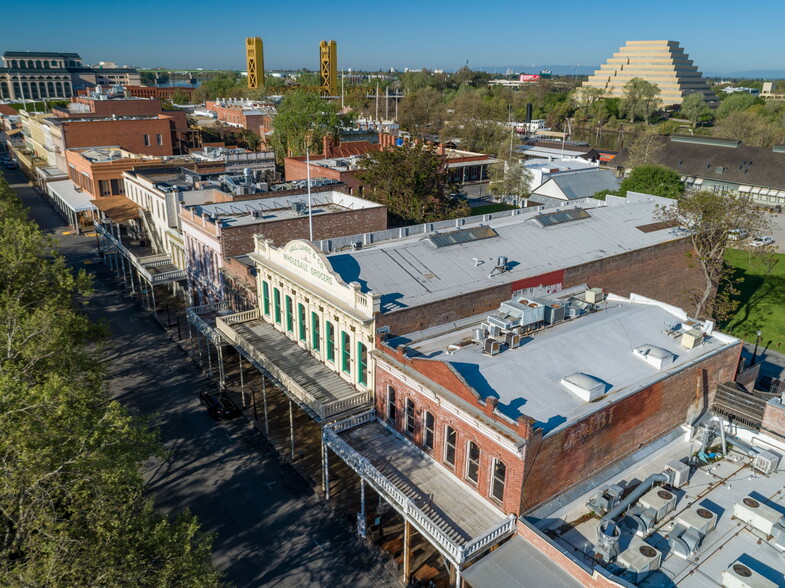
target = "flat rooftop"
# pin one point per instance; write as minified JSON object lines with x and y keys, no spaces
{"x":264,"y":210}
{"x":411,"y":271}
{"x":716,"y":487}
{"x":560,"y":164}
{"x":599,"y":344}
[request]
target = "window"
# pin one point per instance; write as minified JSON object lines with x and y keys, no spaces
{"x":473,"y":463}
{"x":289,"y":313}
{"x":117,"y":187}
{"x":497,"y":482}
{"x":277,"y":304}
{"x":449,"y":446}
{"x":427,"y":436}
{"x":302,"y":331}
{"x":362,"y":363}
{"x":391,"y":405}
{"x":159,"y":138}
{"x":147,"y":140}
{"x":315,"y":331}
{"x":410,"y":417}
{"x":104,"y":187}
{"x":346,"y":352}
{"x":266,"y":298}
{"x":330,"y":332}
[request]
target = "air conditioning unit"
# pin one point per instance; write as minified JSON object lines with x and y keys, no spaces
{"x":639,"y":560}
{"x":298,"y":207}
{"x":605,"y":499}
{"x":512,"y":340}
{"x":594,"y":295}
{"x":479,"y":335}
{"x":258,"y":213}
{"x":493,"y":330}
{"x":490,"y":346}
{"x":740,"y":575}
{"x":680,"y":473}
{"x":643,"y":520}
{"x":691,"y":338}
{"x":660,"y":500}
{"x":698,"y":518}
{"x":766,"y":462}
{"x":758,"y":515}
{"x":356,"y":245}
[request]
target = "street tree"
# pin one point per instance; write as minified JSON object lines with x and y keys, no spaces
{"x":303,"y":120}
{"x":713,"y":223}
{"x":653,"y":179}
{"x":412,"y":182}
{"x":640,"y":99}
{"x":421,"y":113}
{"x":694,"y":108}
{"x":510,"y":181}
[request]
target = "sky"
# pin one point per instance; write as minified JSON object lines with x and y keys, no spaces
{"x":720,"y":36}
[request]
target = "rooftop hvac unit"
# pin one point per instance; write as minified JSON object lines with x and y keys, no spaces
{"x":490,"y":346}
{"x":659,"y":499}
{"x":605,"y":499}
{"x":554,"y":314}
{"x":698,"y":518}
{"x":501,"y":322}
{"x":594,"y":295}
{"x":257,"y":213}
{"x":681,"y":473}
{"x":643,"y":519}
{"x":572,"y":312}
{"x":740,"y":575}
{"x":639,"y":560}
{"x":766,"y":462}
{"x":691,"y":338}
{"x":493,"y":330}
{"x":479,"y":335}
{"x":758,"y":516}
{"x":298,"y":207}
{"x":356,"y":245}
{"x":512,"y":340}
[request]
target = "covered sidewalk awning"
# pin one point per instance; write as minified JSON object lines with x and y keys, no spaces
{"x":117,"y":208}
{"x":69,"y":201}
{"x":517,"y":564}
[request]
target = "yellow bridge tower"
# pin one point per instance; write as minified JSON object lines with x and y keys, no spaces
{"x":328,"y":70}
{"x":255,"y":59}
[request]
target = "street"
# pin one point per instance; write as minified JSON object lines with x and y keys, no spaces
{"x":271,"y":529}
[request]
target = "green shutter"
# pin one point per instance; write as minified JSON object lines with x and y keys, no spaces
{"x":362,"y":364}
{"x":301,"y":321}
{"x":346,"y":352}
{"x":315,"y":331}
{"x":330,"y":331}
{"x":289,"y":317}
{"x":266,"y":298}
{"x":277,"y":304}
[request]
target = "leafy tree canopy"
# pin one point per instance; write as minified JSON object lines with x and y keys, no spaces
{"x":653,"y":179}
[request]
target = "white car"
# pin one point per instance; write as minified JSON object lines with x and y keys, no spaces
{"x":737,"y":235}
{"x":761,"y":241}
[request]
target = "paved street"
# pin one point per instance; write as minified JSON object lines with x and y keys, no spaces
{"x":271,"y":529}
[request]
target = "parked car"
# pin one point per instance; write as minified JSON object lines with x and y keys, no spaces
{"x":761,"y":241}
{"x":737,"y":235}
{"x":9,"y":165}
{"x":219,"y":405}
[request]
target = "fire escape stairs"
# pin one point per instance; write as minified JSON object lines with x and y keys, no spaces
{"x":149,"y":228}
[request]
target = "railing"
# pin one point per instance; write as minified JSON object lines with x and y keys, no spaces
{"x":205,"y":308}
{"x":240,"y":317}
{"x":168,"y":276}
{"x":354,"y":421}
{"x":343,"y":404}
{"x":502,"y":530}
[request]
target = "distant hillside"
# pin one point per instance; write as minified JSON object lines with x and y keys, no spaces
{"x":766,"y":74}
{"x":559,"y":70}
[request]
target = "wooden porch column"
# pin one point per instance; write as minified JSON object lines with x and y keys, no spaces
{"x":209,"y":356}
{"x":221,"y":371}
{"x":458,"y":579}
{"x":264,"y":405}
{"x":291,"y":427}
{"x":242,"y":383}
{"x":152,"y":291}
{"x":325,"y":470}
{"x":361,"y":524}
{"x":407,"y":538}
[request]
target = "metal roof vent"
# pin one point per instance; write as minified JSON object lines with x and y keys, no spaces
{"x":586,"y":387}
{"x":653,"y":355}
{"x":691,"y":338}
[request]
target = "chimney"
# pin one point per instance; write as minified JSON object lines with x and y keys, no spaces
{"x":381,"y":140}
{"x":441,"y":148}
{"x":326,"y":146}
{"x":529,"y":112}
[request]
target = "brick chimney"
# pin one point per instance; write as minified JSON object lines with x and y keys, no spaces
{"x":441,"y":148}
{"x":326,"y":146}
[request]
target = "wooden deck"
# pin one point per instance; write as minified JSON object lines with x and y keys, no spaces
{"x":455,"y":508}
{"x":308,"y":373}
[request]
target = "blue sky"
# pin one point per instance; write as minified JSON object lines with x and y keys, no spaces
{"x":720,"y":36}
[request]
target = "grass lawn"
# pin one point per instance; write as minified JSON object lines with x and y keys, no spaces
{"x":489,"y":208}
{"x":761,"y":300}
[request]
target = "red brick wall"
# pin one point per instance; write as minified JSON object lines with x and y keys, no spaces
{"x":663,"y":272}
{"x":572,"y":455}
{"x":774,"y":419}
{"x":154,"y":92}
{"x":489,"y":450}
{"x":128,"y":134}
{"x":239,"y":240}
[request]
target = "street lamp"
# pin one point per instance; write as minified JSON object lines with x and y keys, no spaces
{"x":755,"y":352}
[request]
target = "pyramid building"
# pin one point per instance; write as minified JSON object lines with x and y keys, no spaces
{"x":663,"y":63}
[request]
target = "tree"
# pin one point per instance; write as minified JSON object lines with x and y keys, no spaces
{"x":303,"y":120}
{"x":422,"y":112}
{"x":412,"y":182}
{"x":736,"y":102}
{"x":653,"y":179}
{"x":180,"y":97}
{"x":694,"y":108}
{"x":646,"y":148}
{"x":751,"y":128}
{"x":510,"y":180}
{"x":640,"y":99}
{"x":73,"y":511}
{"x":711,"y":220}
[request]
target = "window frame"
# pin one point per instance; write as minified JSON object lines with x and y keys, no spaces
{"x":265,"y":298}
{"x":428,"y":433}
{"x":329,"y":333}
{"x":362,"y":363}
{"x":392,"y":408}
{"x":302,"y":330}
{"x":472,"y":464}
{"x":277,"y":305}
{"x":450,"y":447}
{"x":346,"y":352}
{"x":316,"y":331}
{"x":494,"y":480}
{"x":289,"y":311}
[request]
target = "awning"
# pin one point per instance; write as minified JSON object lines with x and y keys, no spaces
{"x":66,"y":193}
{"x":745,"y":188}
{"x":117,"y":208}
{"x":471,"y":163}
{"x":755,"y":190}
{"x":13,"y":131}
{"x":764,"y":191}
{"x":698,"y":181}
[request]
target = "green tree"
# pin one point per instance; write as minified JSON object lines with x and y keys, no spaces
{"x":421,"y":113}
{"x":751,"y":128}
{"x":646,"y":148}
{"x":303,"y":120}
{"x":180,"y":97}
{"x":510,"y":181}
{"x":694,"y":108}
{"x":711,"y":220}
{"x":73,"y":511}
{"x":640,"y":99}
{"x":412,"y":182}
{"x":653,"y":179}
{"x":736,"y":102}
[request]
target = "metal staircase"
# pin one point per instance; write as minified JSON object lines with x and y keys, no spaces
{"x":149,"y":227}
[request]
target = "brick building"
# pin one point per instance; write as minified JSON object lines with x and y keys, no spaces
{"x":256,"y":117}
{"x":159,"y":93}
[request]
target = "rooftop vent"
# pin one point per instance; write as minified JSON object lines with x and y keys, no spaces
{"x":594,"y":295}
{"x":563,"y":216}
{"x":638,"y":561}
{"x":758,"y":516}
{"x":298,"y":207}
{"x":653,"y":355}
{"x":691,"y":338}
{"x":490,"y":346}
{"x":462,"y":236}
{"x":586,"y":387}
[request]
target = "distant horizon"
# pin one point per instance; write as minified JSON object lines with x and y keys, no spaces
{"x":410,"y":34}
